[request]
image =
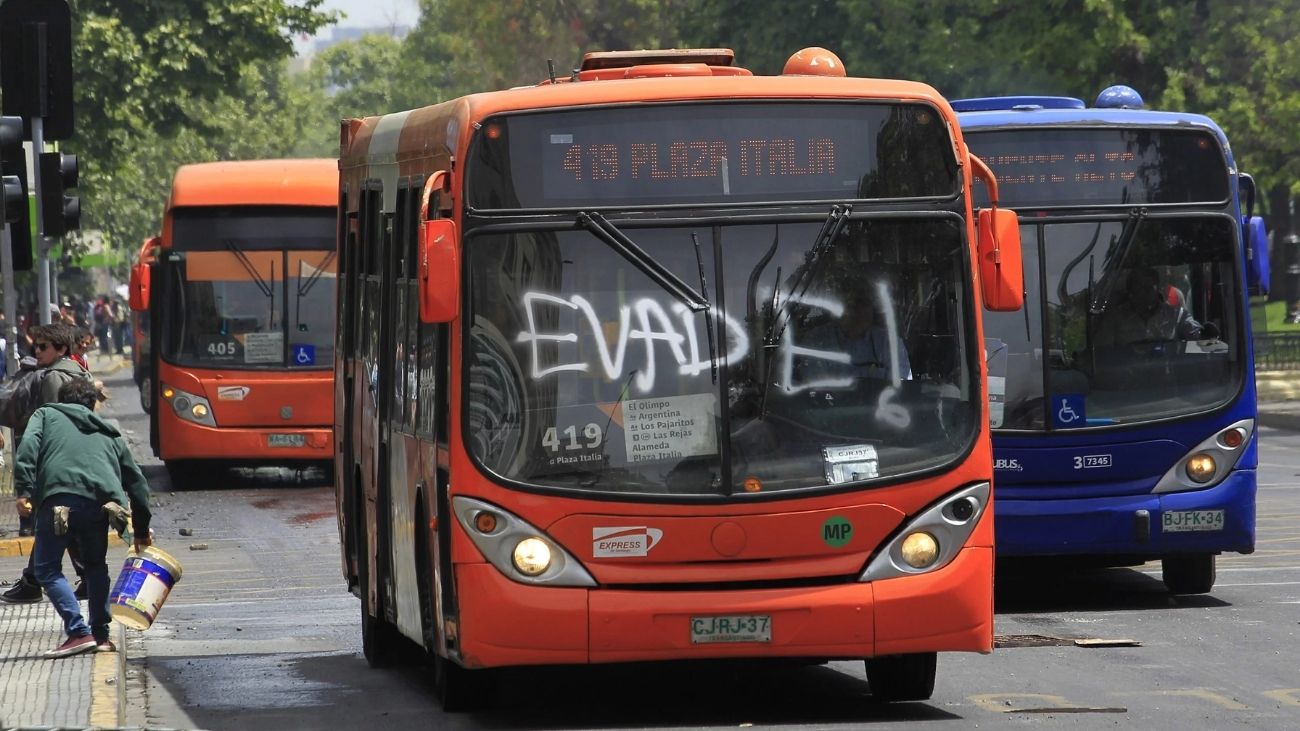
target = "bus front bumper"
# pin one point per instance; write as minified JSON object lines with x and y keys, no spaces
{"x":1131,"y":525}
{"x":186,"y":440}
{"x":504,"y":623}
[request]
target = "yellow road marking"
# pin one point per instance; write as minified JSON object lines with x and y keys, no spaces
{"x":1001,"y":702}
{"x":1289,"y":696}
{"x":1204,"y":694}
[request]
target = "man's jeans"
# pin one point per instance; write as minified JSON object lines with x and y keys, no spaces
{"x":88,"y":529}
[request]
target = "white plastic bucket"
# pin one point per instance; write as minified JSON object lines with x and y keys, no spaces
{"x":142,"y":587}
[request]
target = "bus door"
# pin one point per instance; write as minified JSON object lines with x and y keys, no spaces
{"x":384,"y":450}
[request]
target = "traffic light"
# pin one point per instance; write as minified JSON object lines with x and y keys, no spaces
{"x":13,"y":168}
{"x":60,"y":212}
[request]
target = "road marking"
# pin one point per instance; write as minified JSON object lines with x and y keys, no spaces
{"x":1289,"y":696}
{"x":1001,"y":702}
{"x":1204,"y":694}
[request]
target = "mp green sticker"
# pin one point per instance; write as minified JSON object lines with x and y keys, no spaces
{"x":837,"y":531}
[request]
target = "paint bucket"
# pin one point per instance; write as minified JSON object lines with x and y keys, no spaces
{"x":142,"y":587}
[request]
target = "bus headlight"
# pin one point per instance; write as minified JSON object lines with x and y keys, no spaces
{"x":188,"y":406}
{"x":515,"y":547}
{"x":1201,"y":467}
{"x":933,"y":538}
{"x":1209,"y":463}
{"x":919,"y":550}
{"x":532,"y":556}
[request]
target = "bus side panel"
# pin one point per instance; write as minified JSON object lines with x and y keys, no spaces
{"x":403,"y":466}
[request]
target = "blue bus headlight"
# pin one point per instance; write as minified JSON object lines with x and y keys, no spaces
{"x":1201,"y":467}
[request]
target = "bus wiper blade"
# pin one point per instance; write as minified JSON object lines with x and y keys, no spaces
{"x":708,"y":318}
{"x":628,"y":249}
{"x":1118,"y":254}
{"x":248,"y":266}
{"x":831,"y":227}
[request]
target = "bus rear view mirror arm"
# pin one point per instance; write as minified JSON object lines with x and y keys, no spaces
{"x":1001,"y":276}
{"x":439,"y":259}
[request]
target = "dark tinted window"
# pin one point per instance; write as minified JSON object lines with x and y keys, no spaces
{"x":1074,"y":167}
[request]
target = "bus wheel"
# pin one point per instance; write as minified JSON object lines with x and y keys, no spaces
{"x":1189,"y":574}
{"x":381,"y":643}
{"x":902,"y":677}
{"x":456,"y":688}
{"x":181,"y":473}
{"x":146,"y":394}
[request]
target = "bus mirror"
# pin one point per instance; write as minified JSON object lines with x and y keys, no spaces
{"x":999,"y":255}
{"x":439,"y":271}
{"x":139,"y":288}
{"x":1257,"y":268}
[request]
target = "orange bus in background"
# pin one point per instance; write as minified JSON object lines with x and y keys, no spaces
{"x":140,"y":358}
{"x":239,"y":297}
{"x":686,"y":363}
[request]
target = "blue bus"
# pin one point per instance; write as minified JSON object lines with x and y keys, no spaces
{"x":1122,"y":396}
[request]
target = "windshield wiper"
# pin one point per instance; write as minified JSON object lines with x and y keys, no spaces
{"x":831,"y":227}
{"x":628,"y":249}
{"x":1118,"y":254}
{"x":708,"y":317}
{"x":306,"y":286}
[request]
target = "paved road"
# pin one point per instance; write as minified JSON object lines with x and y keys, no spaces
{"x":261,"y":634}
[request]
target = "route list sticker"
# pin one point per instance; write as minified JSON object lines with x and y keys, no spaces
{"x":673,"y":427}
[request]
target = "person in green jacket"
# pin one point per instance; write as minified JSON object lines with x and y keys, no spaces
{"x":72,"y":459}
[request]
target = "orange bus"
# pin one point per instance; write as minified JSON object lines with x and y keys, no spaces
{"x":239,"y":297}
{"x":686,"y":363}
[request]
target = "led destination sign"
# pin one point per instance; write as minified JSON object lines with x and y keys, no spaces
{"x":1076,"y":167}
{"x":700,"y":153}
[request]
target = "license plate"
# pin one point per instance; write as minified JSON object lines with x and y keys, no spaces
{"x":731,"y":628}
{"x":285,"y":440}
{"x":1183,"y":521}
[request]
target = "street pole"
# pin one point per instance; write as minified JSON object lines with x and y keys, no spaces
{"x":42,"y":246}
{"x":10,"y":303}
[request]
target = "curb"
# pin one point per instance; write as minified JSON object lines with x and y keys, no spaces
{"x":1280,"y":420}
{"x":22,"y":545}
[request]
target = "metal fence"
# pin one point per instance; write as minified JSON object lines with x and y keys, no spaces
{"x":1277,"y":351}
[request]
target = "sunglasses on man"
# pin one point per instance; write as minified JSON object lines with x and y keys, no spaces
{"x":38,"y":347}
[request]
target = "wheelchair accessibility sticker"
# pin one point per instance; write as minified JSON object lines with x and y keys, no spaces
{"x":1067,"y":411}
{"x":303,"y":355}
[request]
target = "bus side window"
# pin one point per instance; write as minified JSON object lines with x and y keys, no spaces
{"x":397,"y":285}
{"x":412,"y":304}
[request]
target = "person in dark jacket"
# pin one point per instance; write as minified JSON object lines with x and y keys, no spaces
{"x":52,"y":348}
{"x":72,"y":459}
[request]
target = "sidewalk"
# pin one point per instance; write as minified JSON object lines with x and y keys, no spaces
{"x":1279,"y":399}
{"x":71,"y":692}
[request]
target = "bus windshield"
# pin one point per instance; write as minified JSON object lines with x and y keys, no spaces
{"x":786,"y":356}
{"x":1133,"y":320}
{"x":250,"y":292}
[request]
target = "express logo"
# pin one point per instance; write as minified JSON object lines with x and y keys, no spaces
{"x":634,"y":540}
{"x":232,"y":393}
{"x":1012,"y":465}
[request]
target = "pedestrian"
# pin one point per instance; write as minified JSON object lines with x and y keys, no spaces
{"x":85,"y":341}
{"x":69,"y":465}
{"x":121,"y":325}
{"x":51,"y":346}
{"x":103,"y":323}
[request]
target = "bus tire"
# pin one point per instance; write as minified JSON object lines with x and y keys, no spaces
{"x":381,"y":643}
{"x":1192,"y":573}
{"x":456,"y":688}
{"x":181,"y":473}
{"x":902,"y":677}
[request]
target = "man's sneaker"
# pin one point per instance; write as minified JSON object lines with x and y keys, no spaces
{"x":73,"y":646}
{"x":80,"y":591}
{"x":21,"y":593}
{"x":106,"y":646}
